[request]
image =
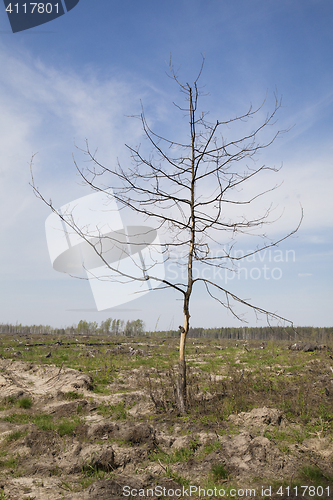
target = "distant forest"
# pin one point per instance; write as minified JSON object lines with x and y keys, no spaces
{"x":314,"y":334}
{"x":116,"y":327}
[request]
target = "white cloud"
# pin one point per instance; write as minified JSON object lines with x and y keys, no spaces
{"x":44,"y":110}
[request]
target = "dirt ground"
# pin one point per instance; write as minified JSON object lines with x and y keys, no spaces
{"x":142,"y":453}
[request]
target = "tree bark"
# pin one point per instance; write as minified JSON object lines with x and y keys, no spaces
{"x":181,"y":383}
{"x":181,"y":387}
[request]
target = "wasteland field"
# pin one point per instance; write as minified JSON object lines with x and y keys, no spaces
{"x":95,"y":418}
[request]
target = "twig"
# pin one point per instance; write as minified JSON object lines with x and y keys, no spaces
{"x":159,"y":461}
{"x":62,"y":364}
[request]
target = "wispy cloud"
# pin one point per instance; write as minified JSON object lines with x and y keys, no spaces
{"x":44,"y":110}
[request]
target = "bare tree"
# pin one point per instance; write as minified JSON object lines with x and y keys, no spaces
{"x":184,"y":188}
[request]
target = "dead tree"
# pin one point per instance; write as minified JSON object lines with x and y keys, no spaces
{"x":183,"y":188}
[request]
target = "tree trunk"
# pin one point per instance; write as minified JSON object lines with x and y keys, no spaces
{"x":181,"y":388}
{"x":181,"y":384}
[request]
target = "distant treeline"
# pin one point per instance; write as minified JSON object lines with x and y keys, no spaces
{"x":136,"y":328}
{"x":298,"y":334}
{"x":107,"y":327}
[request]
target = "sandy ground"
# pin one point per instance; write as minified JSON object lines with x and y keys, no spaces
{"x":50,"y":466}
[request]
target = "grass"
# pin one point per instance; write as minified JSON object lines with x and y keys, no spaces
{"x":208,"y":448}
{"x":10,"y":463}
{"x":15,"y":436}
{"x":116,"y":412}
{"x":315,"y":474}
{"x":287,"y":436}
{"x":45,"y":422}
{"x":276,"y":377}
{"x":219,"y":472}
{"x":260,"y":384}
{"x":72,"y":395}
{"x":177,"y":477}
{"x":67,"y":426}
{"x":56,"y":472}
{"x":263,"y":383}
{"x":8,"y":402}
{"x":101,"y":389}
{"x":91,"y":474}
{"x":178,"y":456}
{"x":25,"y":403}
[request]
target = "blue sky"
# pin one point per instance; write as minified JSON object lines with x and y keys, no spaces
{"x":83,"y":75}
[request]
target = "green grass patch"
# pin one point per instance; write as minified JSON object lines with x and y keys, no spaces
{"x":91,"y":474}
{"x":7,"y":402}
{"x":177,"y":477}
{"x":289,"y":436}
{"x":45,"y":422}
{"x":219,"y":472}
{"x":315,"y":474}
{"x":181,"y":455}
{"x":117,"y":411}
{"x":72,"y":395}
{"x":18,"y":418}
{"x":67,"y":427}
{"x":100,"y":389}
{"x":55,"y":472}
{"x":15,"y":435}
{"x":24,"y":403}
{"x":10,"y":463}
{"x":208,"y":448}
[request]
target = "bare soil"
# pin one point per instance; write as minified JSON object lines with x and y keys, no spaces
{"x":147,"y":449}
